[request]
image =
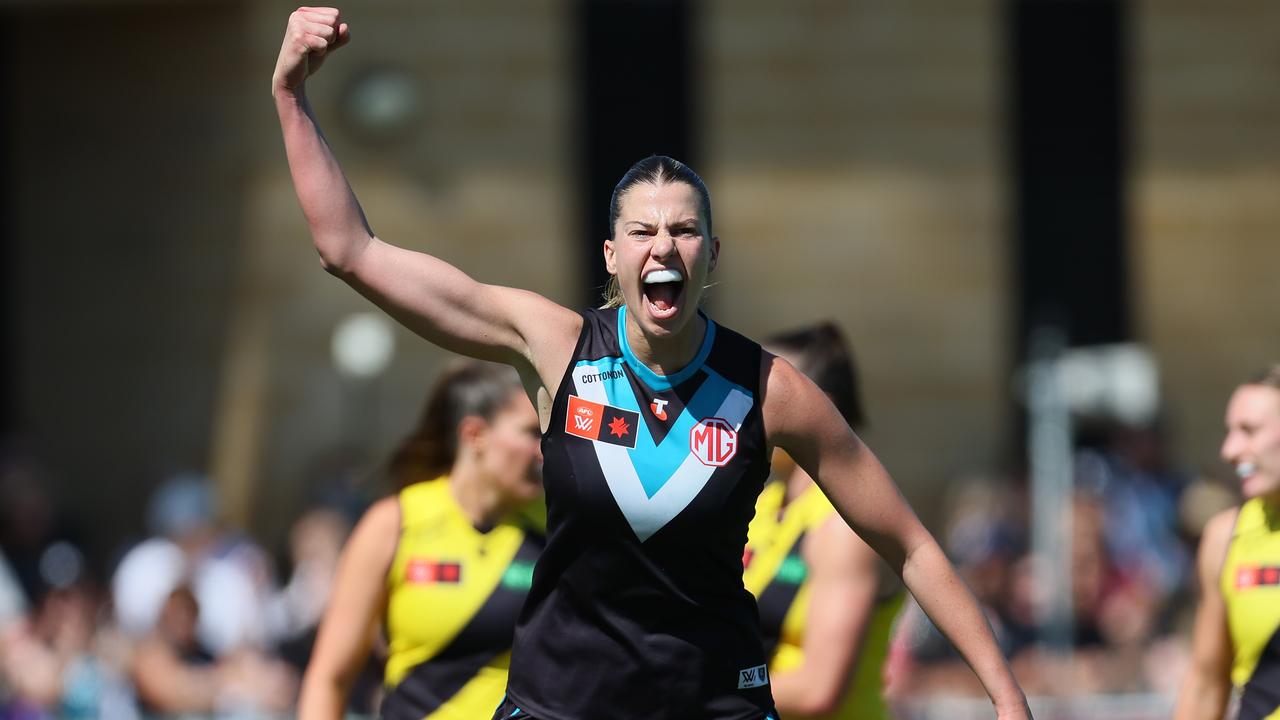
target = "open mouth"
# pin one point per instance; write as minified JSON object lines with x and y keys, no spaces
{"x":1245,"y":470}
{"x":663,"y":291}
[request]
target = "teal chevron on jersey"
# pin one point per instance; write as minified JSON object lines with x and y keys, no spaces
{"x":656,"y":462}
{"x":653,"y":482}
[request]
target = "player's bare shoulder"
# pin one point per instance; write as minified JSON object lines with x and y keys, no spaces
{"x":1214,"y":542}
{"x":786,"y":390}
{"x":549,"y":330}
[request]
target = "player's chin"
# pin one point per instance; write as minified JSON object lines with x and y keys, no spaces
{"x":667,"y":321}
{"x":1258,"y":485}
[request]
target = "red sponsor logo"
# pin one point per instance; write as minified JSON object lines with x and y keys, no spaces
{"x":619,"y":427}
{"x":747,"y":555}
{"x":421,"y":571}
{"x":713,"y":441}
{"x":583,"y":418}
{"x":1248,"y":576}
{"x":601,"y":423}
{"x":659,"y":408}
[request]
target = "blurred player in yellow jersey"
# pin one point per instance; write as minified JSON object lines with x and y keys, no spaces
{"x":443,"y":566}
{"x":1236,"y":640}
{"x":826,"y":600}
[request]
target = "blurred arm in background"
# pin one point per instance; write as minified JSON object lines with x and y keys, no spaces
{"x":351,"y":620}
{"x":843,"y":574}
{"x":1207,"y":687}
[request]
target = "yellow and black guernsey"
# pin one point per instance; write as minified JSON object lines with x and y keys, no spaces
{"x":776,"y":573}
{"x":1251,"y":586}
{"x":454,"y":594}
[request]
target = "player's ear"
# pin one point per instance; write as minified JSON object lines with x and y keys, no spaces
{"x":471,"y":432}
{"x":610,"y":258}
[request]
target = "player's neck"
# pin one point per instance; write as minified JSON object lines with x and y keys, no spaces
{"x":670,"y":354}
{"x":481,"y":503}
{"x":1271,"y":508}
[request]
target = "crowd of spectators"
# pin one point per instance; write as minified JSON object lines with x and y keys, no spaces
{"x":198,"y":619}
{"x":193,"y":620}
{"x":1135,"y":524}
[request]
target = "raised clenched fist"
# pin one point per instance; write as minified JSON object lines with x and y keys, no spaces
{"x":311,"y":34}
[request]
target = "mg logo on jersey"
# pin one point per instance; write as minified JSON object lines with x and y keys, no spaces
{"x":713,"y":441}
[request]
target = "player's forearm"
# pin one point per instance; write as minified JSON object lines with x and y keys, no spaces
{"x":953,"y":609}
{"x":323,"y":697}
{"x":338,"y":226}
{"x":798,"y":694}
{"x":1201,"y":697}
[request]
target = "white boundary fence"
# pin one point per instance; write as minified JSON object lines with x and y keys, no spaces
{"x":1089,"y":707}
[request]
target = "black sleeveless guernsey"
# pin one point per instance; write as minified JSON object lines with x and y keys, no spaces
{"x":637,"y":608}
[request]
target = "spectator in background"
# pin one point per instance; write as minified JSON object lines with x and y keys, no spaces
{"x":1115,"y":614}
{"x":315,"y":544}
{"x":444,"y":565}
{"x":13,"y":602}
{"x":29,"y":522}
{"x":175,"y":674}
{"x":1139,"y":494}
{"x":195,"y":599}
{"x":229,"y":576}
{"x":172,"y":671}
{"x":59,"y":660}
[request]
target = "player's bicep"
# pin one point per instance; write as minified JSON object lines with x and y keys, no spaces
{"x":451,"y":309}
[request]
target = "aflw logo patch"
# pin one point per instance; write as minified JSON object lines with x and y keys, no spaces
{"x":755,"y":677}
{"x":602,"y":423}
{"x":1248,"y":576}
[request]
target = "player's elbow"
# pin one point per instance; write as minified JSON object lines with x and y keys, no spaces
{"x":820,"y":698}
{"x":333,"y":265}
{"x":1204,"y":695}
{"x":339,"y":258}
{"x":810,"y":706}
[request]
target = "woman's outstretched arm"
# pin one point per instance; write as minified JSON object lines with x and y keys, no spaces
{"x":431,"y":297}
{"x":800,"y":419}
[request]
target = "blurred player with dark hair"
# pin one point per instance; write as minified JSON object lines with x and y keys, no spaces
{"x":444,"y":565}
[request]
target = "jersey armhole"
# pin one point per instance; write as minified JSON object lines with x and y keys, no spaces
{"x":388,"y":572}
{"x":1226,"y":552}
{"x":567,"y":376}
